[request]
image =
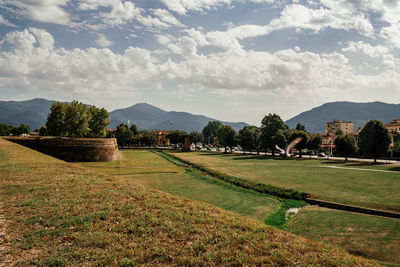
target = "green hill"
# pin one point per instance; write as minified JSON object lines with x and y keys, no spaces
{"x":34,"y":113}
{"x":359,"y":113}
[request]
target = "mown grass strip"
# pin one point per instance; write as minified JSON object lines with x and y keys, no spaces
{"x":259,"y":187}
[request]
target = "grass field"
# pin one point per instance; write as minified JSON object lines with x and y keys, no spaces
{"x":58,"y":214}
{"x":356,"y":184}
{"x":369,"y":236}
{"x":149,"y":169}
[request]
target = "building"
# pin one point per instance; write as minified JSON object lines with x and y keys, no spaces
{"x":347,"y":127}
{"x":393,"y":126}
{"x":162,"y":137}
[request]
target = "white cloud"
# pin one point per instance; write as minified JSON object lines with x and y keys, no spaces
{"x":40,"y":10}
{"x":299,"y":16}
{"x":34,"y":64}
{"x":102,"y":41}
{"x":167,"y":17}
{"x":6,"y":22}
{"x":183,"y":6}
{"x":367,"y":49}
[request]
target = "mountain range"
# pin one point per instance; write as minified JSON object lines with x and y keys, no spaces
{"x":358,"y":113}
{"x":34,"y":113}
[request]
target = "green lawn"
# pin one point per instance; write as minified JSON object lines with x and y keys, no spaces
{"x":149,"y":169}
{"x":353,"y":183}
{"x":369,"y":236}
{"x":57,"y":214}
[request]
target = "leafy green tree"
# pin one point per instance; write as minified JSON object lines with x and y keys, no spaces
{"x":134,"y":129}
{"x":4,"y":130}
{"x":345,"y":145}
{"x":76,"y":119}
{"x":314,"y":143}
{"x":396,"y":146}
{"x":196,"y":137}
{"x":374,"y":139}
{"x":339,"y":132}
{"x":21,"y":129}
{"x":280,"y":139}
{"x":98,"y":122}
{"x":43,"y":131}
{"x":303,"y":143}
{"x":270,"y":125}
{"x":300,"y":127}
{"x":148,"y":138}
{"x":124,"y":135}
{"x":227,"y":136}
{"x":249,"y":138}
{"x":176,"y":137}
{"x":56,"y":119}
{"x":210,"y":131}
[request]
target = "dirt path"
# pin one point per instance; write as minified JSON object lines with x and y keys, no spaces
{"x":358,"y":169}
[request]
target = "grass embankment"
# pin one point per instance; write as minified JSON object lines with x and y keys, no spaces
{"x":60,"y":214}
{"x":369,"y":236}
{"x":173,"y":176}
{"x":363,"y":185}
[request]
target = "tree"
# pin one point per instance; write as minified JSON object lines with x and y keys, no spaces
{"x":210,"y":131}
{"x":21,"y":129}
{"x":98,"y":122}
{"x":43,"y":131}
{"x":300,"y":127}
{"x":134,"y":129}
{"x":124,"y":135}
{"x":345,"y":145}
{"x":227,"y":136}
{"x":374,"y":139}
{"x":176,"y":137}
{"x":56,"y":119}
{"x":249,"y":138}
{"x":303,"y":143}
{"x":196,"y":137}
{"x":148,"y":138}
{"x":76,"y":119}
{"x":4,"y":130}
{"x":314,"y":143}
{"x":270,"y":125}
{"x":280,"y":139}
{"x":339,"y":132}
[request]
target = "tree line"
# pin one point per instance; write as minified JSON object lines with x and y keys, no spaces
{"x":76,"y":119}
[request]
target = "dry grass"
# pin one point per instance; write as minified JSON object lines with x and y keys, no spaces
{"x":59,"y":214}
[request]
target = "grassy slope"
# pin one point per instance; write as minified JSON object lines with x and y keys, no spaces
{"x":370,"y":236}
{"x":57,"y":213}
{"x":146,"y":168}
{"x":379,"y":190}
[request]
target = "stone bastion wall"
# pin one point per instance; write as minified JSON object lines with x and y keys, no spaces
{"x":72,"y":149}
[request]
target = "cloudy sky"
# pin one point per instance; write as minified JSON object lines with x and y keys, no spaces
{"x":233,"y":60}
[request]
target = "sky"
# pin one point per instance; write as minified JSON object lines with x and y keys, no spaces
{"x":232,"y":60}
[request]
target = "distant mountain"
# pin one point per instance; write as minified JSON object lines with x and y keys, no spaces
{"x":359,"y":113}
{"x":34,"y":113}
{"x":149,"y":117}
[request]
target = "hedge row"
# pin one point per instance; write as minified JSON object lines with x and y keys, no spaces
{"x":259,"y":187}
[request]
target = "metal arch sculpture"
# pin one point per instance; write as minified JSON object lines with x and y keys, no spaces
{"x":286,"y":153}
